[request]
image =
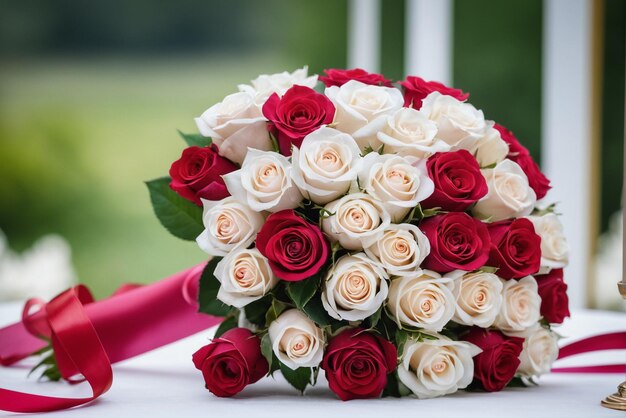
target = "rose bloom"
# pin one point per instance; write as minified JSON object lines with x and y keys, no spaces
{"x":422,"y":300}
{"x":357,"y":363}
{"x":267,"y":84}
{"x":245,"y":276}
{"x":553,"y":292}
{"x":457,"y":241}
{"x":458,"y":182}
{"x":400,"y":250}
{"x":539,"y":352}
{"x":228,"y":224}
{"x":300,"y":111}
{"x":231,"y":362}
{"x":396,"y":182}
{"x":554,"y":248}
{"x":355,"y":221}
{"x":521,"y":305}
{"x":509,"y":195}
{"x":264,"y":182}
{"x":338,"y":77}
{"x":355,"y":287}
{"x":197,"y":174}
{"x":491,"y":148}
{"x":234,"y":125}
{"x":478,"y":297}
{"x":295,"y":248}
{"x":436,"y":367}
{"x":416,"y":89}
{"x":296,"y":340}
{"x":496,"y":365}
{"x":325,"y":165}
{"x":515,"y":248}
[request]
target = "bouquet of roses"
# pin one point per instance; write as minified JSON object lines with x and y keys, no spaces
{"x":387,"y":234}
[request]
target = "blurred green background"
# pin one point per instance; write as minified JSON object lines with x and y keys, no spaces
{"x":91,"y":95}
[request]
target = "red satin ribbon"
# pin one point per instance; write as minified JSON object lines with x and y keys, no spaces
{"x":611,"y":341}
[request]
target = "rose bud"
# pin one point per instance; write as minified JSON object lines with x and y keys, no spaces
{"x":496,"y":365}
{"x":231,"y":362}
{"x":296,"y":340}
{"x":198,"y":174}
{"x":357,"y":363}
{"x":553,"y":292}
{"x":337,"y":77}
{"x":515,"y":248}
{"x":416,"y":89}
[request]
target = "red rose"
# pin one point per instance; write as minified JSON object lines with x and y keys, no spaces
{"x":295,"y":248}
{"x":231,"y":362}
{"x":357,"y":364}
{"x":457,"y":241}
{"x":337,"y":77}
{"x":458,"y":181}
{"x":198,"y":174}
{"x":519,"y":154}
{"x":515,"y":248}
{"x":496,"y":365}
{"x":554,"y":300}
{"x":416,"y":89}
{"x":295,"y":115}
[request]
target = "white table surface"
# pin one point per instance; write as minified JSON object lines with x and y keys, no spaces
{"x":164,"y":383}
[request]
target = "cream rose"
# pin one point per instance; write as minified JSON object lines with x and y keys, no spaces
{"x":296,"y":340}
{"x":245,"y":276}
{"x":235,"y":124}
{"x":362,"y":108}
{"x":354,"y":288}
{"x":267,"y":84}
{"x":509,"y":195}
{"x":478,"y":297}
{"x":400,"y":250}
{"x":491,"y":148}
{"x":410,"y":132}
{"x":554,"y":248}
{"x":539,"y":353}
{"x":437,"y":367}
{"x":422,"y":300}
{"x":264,"y":182}
{"x":521,"y":305}
{"x":396,"y":182}
{"x":228,"y":225}
{"x":325,"y":165}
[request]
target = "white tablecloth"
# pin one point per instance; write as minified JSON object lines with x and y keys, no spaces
{"x":164,"y":383}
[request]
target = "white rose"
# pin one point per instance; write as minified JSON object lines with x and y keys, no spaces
{"x":459,"y":124}
{"x":400,"y":250}
{"x":354,"y":288}
{"x":554,"y":248}
{"x":431,"y":368}
{"x":235,"y":124}
{"x":410,"y":132}
{"x":521,"y":305}
{"x":491,"y":148}
{"x":478,"y":297}
{"x":264,"y":182}
{"x":296,"y":340}
{"x":539,"y":353}
{"x":228,"y":224}
{"x":509,"y":195}
{"x":362,"y":108}
{"x":355,"y":221}
{"x":245,"y":276}
{"x":422,"y":300}
{"x":267,"y":84}
{"x":325,"y":165}
{"x":396,"y":182}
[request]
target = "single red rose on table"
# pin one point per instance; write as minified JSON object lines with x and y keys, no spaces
{"x":295,"y":248}
{"x":515,"y":248}
{"x":553,"y":292}
{"x":458,"y":181}
{"x":198,"y":174}
{"x":496,"y":365}
{"x":357,"y":363}
{"x":338,"y":77}
{"x":300,"y":111}
{"x":457,"y":241}
{"x":416,"y":89}
{"x":231,"y":362}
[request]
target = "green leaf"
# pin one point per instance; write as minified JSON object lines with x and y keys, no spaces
{"x":228,"y":323}
{"x":179,"y":216}
{"x":195,"y":140}
{"x":207,"y":295}
{"x":256,"y":311}
{"x":298,"y":378}
{"x":488,"y":269}
{"x":372,"y":321}
{"x":274,"y":311}
{"x":302,"y":291}
{"x":401,"y":338}
{"x":315,"y":310}
{"x":268,"y":353}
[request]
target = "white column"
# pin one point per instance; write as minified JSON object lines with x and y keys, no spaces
{"x":428,"y":39}
{"x":567,"y":128}
{"x":364,"y":34}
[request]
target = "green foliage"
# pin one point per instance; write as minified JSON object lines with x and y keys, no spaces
{"x":196,"y":140}
{"x":268,"y":353}
{"x":315,"y":310}
{"x":207,"y":295}
{"x":227,"y":324}
{"x":299,"y":378}
{"x":276,"y":308}
{"x":302,"y":291}
{"x":256,"y":311}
